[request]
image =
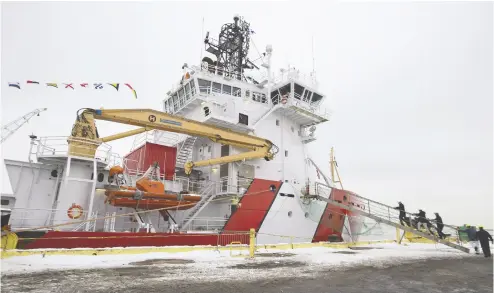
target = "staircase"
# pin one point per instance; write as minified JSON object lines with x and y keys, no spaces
{"x":271,"y":110}
{"x":185,"y":151}
{"x":207,"y":195}
{"x":382,"y":213}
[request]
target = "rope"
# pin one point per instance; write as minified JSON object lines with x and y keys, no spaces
{"x":122,"y":215}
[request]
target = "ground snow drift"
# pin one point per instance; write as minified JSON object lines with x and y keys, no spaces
{"x":213,"y":265}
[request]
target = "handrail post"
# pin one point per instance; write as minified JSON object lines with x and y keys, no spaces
{"x":252,"y":242}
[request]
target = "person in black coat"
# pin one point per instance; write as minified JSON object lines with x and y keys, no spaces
{"x":401,"y":208}
{"x":439,"y":225}
{"x":423,"y":221}
{"x":484,"y":236}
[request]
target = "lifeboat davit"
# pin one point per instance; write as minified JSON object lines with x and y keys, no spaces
{"x":148,"y":193}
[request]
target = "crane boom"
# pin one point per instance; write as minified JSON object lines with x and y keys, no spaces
{"x":85,"y":138}
{"x":13,"y":126}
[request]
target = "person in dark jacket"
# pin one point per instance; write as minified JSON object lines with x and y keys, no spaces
{"x":401,"y":208}
{"x":422,"y":221}
{"x":439,"y":225}
{"x":484,"y":236}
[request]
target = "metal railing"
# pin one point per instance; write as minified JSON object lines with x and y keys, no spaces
{"x":176,"y":104}
{"x":25,"y":218}
{"x":218,"y":70}
{"x":293,"y":101}
{"x":157,"y":137}
{"x":207,"y":223}
{"x":52,"y":146}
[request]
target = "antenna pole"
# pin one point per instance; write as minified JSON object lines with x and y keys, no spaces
{"x":202,"y":38}
{"x":313,"y":63}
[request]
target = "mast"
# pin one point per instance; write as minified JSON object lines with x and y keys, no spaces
{"x":232,"y":48}
{"x":333,"y":165}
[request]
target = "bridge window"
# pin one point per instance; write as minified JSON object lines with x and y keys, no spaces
{"x":307,"y":95}
{"x":227,"y":89}
{"x":299,"y":90}
{"x":187,"y":91}
{"x":237,"y":92}
{"x":192,"y":84}
{"x":204,"y":86}
{"x":216,"y":87}
{"x":243,"y":119}
{"x":316,"y":98}
{"x":5,"y":202}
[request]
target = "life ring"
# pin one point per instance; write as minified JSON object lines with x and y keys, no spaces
{"x":75,"y":211}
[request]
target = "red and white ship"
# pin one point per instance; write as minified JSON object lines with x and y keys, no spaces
{"x":147,"y":199}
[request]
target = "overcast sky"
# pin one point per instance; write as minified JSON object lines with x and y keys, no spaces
{"x":410,"y":86}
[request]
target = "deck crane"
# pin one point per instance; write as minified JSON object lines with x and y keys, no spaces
{"x":85,"y":138}
{"x":13,"y":126}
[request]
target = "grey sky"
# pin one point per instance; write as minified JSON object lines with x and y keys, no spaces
{"x":409,"y":85}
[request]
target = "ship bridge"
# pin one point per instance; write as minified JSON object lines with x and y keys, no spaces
{"x":213,"y":95}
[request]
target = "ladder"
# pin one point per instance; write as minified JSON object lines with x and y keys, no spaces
{"x":207,"y":195}
{"x":381,"y":213}
{"x":185,"y":152}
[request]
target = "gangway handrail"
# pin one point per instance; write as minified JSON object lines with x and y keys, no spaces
{"x":379,"y":203}
{"x":390,"y":223}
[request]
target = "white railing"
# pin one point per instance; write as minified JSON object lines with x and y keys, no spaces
{"x":177,"y":104}
{"x":24,"y":218}
{"x":217,"y":70}
{"x":295,"y":75}
{"x":156,"y":136}
{"x":207,"y":223}
{"x":292,"y":101}
{"x":53,"y":146}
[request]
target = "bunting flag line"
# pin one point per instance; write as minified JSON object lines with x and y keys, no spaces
{"x":115,"y":85}
{"x":15,"y":84}
{"x":97,"y":85}
{"x":133,"y":90}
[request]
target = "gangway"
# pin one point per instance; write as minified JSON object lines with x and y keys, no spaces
{"x":382,"y":213}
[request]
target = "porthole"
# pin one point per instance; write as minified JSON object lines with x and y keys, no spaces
{"x":54,"y":173}
{"x":272,"y":187}
{"x":290,"y":214}
{"x":101,"y":177}
{"x":306,"y":214}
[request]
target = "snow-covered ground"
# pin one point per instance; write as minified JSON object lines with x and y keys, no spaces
{"x":213,"y":265}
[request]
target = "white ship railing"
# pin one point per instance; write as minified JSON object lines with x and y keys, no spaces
{"x":57,"y":146}
{"x":25,"y":218}
{"x":295,"y":75}
{"x":156,"y":136}
{"x":217,"y":70}
{"x":292,"y":101}
{"x":208,"y":223}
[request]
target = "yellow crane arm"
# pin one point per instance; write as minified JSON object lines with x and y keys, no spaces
{"x":85,"y":139}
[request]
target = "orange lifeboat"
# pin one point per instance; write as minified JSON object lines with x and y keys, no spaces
{"x":148,"y":194}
